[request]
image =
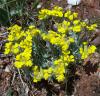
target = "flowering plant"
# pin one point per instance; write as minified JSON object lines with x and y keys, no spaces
{"x":49,"y":51}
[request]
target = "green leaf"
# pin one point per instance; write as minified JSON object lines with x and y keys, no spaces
{"x":4,"y":19}
{"x":35,"y":4}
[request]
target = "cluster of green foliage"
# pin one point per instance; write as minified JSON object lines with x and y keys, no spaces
{"x":10,"y":8}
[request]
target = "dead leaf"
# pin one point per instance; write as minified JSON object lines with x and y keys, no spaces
{"x":96,"y":41}
{"x":96,"y":38}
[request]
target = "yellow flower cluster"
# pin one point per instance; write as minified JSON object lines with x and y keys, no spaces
{"x":20,"y":44}
{"x":61,"y":64}
{"x":60,"y":40}
{"x":71,"y":16}
{"x":13,"y":36}
{"x":42,"y":73}
{"x":76,"y":25}
{"x":63,"y":27}
{"x":44,"y":13}
{"x":92,"y":27}
{"x":73,"y":24}
{"x":38,"y":74}
{"x":85,"y":51}
{"x":59,"y":70}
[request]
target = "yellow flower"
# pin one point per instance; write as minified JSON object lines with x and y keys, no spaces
{"x":67,"y":13}
{"x":81,"y":50}
{"x":77,"y":28}
{"x":58,"y":8}
{"x":71,"y":17}
{"x":65,"y":23}
{"x":91,"y":27}
{"x":53,"y":40}
{"x":50,"y":70}
{"x":61,"y":30}
{"x":15,"y":48}
{"x":86,"y":51}
{"x":71,"y":40}
{"x":46,"y":76}
{"x":8,"y":47}
{"x":35,"y":68}
{"x":71,"y":58}
{"x":15,"y":28}
{"x":75,"y":15}
{"x":10,"y":37}
{"x":91,"y":49}
{"x":7,"y":51}
{"x":75,"y":22}
{"x":35,"y":80}
{"x":28,"y":63}
{"x":60,"y":78}
{"x":31,"y":27}
{"x":65,"y":47}
{"x":44,"y":13}
{"x":66,"y":58}
{"x":85,"y":43}
{"x":18,"y":57}
{"x":18,"y":64}
{"x":84,"y":56}
{"x":83,"y":24}
{"x":59,"y":61}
